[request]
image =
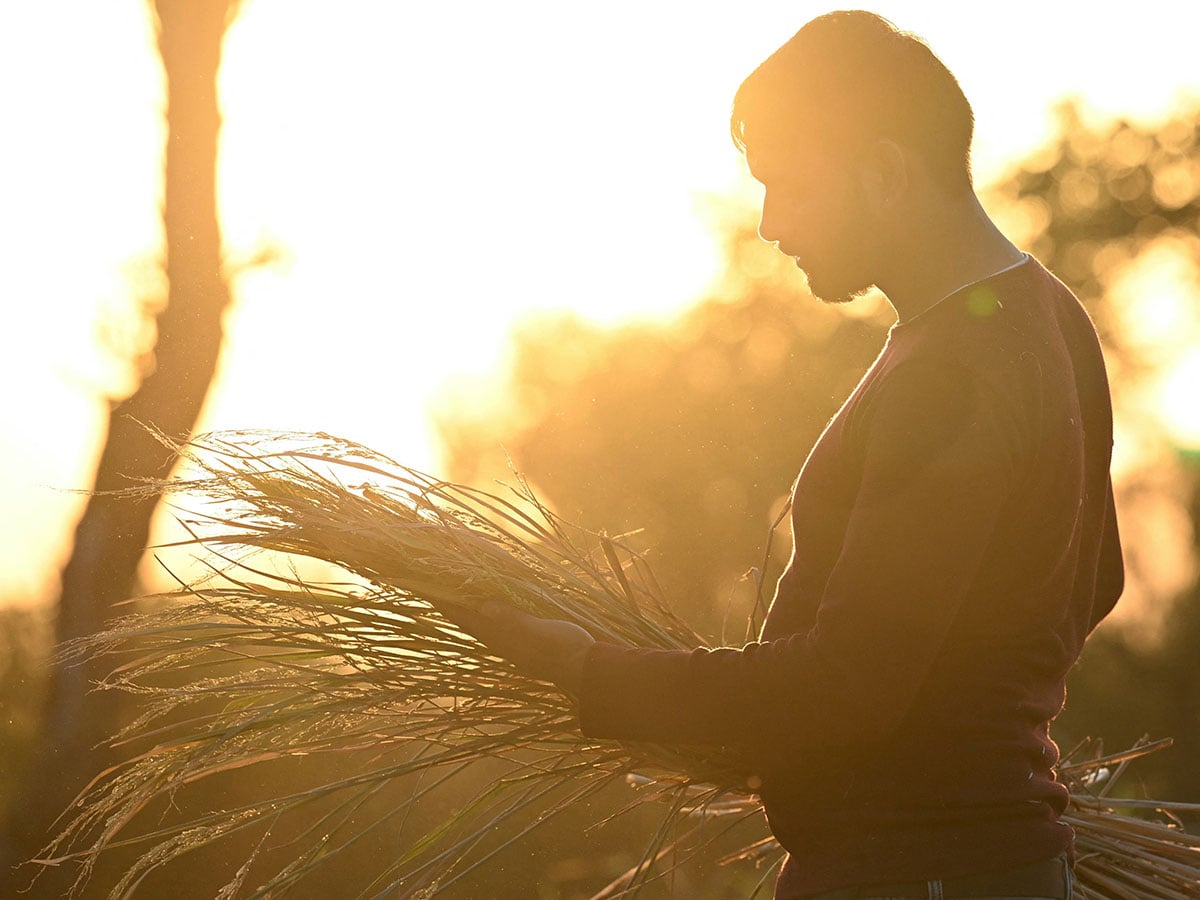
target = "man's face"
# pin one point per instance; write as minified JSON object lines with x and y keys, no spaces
{"x":814,"y":211}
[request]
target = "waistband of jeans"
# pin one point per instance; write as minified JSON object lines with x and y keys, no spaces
{"x":1047,"y":878}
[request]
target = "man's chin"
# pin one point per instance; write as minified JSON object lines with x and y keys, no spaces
{"x":835,"y":295}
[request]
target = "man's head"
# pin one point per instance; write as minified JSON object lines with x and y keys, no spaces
{"x":839,"y":123}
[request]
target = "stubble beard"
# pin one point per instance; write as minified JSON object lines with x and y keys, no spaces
{"x":833,"y":295}
{"x":843,"y":298}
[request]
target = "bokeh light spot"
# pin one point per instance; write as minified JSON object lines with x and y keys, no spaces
{"x":982,"y":302}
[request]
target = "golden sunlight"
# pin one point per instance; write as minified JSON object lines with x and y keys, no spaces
{"x":418,"y":177}
{"x":81,"y":234}
{"x":1154,"y":298}
{"x":1180,"y":400}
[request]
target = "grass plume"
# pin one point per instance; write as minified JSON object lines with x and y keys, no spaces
{"x":254,"y":665}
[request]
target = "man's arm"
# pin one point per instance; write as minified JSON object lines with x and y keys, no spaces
{"x":940,"y":459}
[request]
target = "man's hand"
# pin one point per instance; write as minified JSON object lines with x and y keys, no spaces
{"x":546,"y":649}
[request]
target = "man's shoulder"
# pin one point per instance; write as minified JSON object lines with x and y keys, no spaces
{"x":1005,"y":330}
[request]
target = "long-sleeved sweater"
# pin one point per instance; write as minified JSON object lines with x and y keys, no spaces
{"x":954,"y":544}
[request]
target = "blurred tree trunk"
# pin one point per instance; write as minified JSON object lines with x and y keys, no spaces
{"x":111,"y":536}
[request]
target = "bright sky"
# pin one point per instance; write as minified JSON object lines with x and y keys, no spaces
{"x":430,"y":172}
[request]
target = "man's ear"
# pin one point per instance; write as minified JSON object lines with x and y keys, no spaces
{"x":885,"y":175}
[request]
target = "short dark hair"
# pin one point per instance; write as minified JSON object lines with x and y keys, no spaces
{"x":847,"y":78}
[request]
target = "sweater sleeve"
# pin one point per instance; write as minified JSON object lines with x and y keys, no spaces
{"x":940,"y":455}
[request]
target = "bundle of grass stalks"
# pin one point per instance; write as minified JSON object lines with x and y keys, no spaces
{"x":1128,"y":848}
{"x":255,"y":665}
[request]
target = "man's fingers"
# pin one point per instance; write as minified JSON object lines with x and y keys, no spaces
{"x":492,"y":623}
{"x":470,"y":619}
{"x":547,"y":649}
{"x":494,"y":609}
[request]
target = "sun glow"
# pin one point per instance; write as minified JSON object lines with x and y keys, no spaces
{"x":1154,"y":299}
{"x":1180,"y":399}
{"x":421,"y":175}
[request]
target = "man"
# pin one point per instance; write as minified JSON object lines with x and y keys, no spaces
{"x":955,"y":540}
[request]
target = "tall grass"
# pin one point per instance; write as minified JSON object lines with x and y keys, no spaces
{"x":254,"y":664}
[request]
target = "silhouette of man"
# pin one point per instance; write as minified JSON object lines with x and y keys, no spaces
{"x":954,"y":533}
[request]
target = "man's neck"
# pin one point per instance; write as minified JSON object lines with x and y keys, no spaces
{"x":957,"y":247}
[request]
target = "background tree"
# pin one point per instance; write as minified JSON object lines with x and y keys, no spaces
{"x":112,"y":534}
